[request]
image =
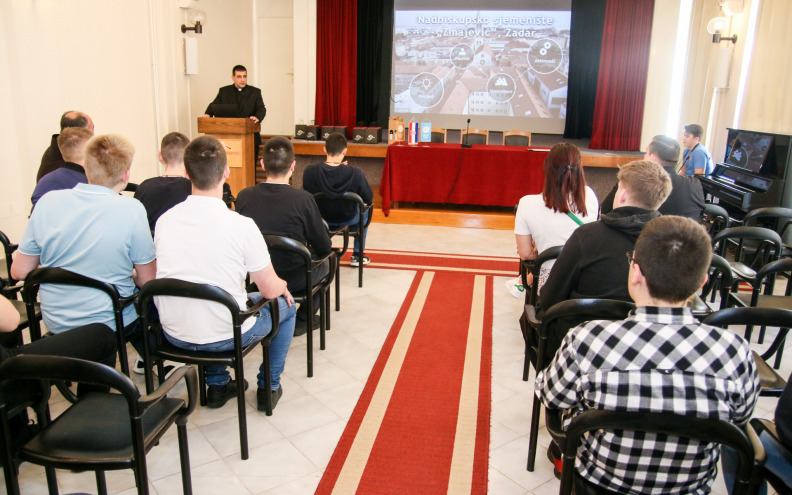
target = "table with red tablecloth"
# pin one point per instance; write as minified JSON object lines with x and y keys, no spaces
{"x":488,"y":175}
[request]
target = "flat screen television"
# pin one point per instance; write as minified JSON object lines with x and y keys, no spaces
{"x":759,"y":153}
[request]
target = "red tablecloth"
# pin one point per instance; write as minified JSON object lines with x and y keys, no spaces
{"x":488,"y":175}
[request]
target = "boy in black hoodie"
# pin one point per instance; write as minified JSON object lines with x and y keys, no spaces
{"x":334,"y":178}
{"x":593,"y":263}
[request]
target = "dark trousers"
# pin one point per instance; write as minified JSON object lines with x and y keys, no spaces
{"x":296,"y":285}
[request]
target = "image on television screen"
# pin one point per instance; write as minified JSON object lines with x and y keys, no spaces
{"x":749,"y":150}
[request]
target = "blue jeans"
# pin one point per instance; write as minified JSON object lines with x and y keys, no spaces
{"x":219,"y":375}
{"x":360,"y":241}
{"x":778,"y":463}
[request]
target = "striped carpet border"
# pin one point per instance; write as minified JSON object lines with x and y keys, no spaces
{"x":411,"y":260}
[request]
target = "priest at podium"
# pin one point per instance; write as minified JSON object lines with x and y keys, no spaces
{"x":239,"y":100}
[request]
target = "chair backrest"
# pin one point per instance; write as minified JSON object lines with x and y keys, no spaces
{"x":714,"y":218}
{"x":517,"y":138}
{"x":543,"y":257}
{"x":720,"y":278}
{"x":581,"y":310}
{"x":776,"y":218}
{"x":744,"y":441}
{"x":438,"y":135}
{"x":475,"y":136}
{"x":350,"y":197}
{"x":767,"y":246}
{"x":51,"y":275}
{"x":179,"y":288}
{"x":774,"y":317}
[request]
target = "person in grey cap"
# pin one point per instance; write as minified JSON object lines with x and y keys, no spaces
{"x":687,"y":195}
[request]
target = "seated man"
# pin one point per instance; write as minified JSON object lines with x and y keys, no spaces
{"x":696,"y":160}
{"x":660,"y":359}
{"x":334,"y":178}
{"x":160,"y":194}
{"x":52,"y":159}
{"x":687,"y":195}
{"x":202,"y":241}
{"x":71,"y":143}
{"x":592,"y":263}
{"x":94,"y":231}
{"x":279,"y":209}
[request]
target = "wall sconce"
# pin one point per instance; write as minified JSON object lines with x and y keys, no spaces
{"x":196,"y":17}
{"x":715,"y":26}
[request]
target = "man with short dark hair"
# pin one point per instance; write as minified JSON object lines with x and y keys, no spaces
{"x":202,"y":241}
{"x":334,"y":177}
{"x":71,"y":143}
{"x":247,"y":99}
{"x":592,"y":263}
{"x":696,"y":160}
{"x":687,"y":195}
{"x":52,"y":159}
{"x":659,"y":359}
{"x":94,"y":231}
{"x":160,"y":194}
{"x":279,"y":209}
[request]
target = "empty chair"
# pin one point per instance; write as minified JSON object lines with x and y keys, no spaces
{"x":719,"y":281}
{"x":772,"y":384}
{"x":475,"y":136}
{"x":756,"y":246}
{"x":438,"y":135}
{"x":593,"y":423}
{"x":517,"y":138}
{"x":775,"y":218}
{"x":101,"y":431}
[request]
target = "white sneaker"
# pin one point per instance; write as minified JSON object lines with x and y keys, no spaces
{"x":515,"y":287}
{"x":355,"y":261}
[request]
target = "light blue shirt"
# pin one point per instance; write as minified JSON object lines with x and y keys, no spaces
{"x":700,"y":159}
{"x":95,"y":232}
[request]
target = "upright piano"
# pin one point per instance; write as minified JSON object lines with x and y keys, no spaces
{"x":756,"y":172}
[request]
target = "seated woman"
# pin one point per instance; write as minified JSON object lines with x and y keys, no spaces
{"x":548,"y":219}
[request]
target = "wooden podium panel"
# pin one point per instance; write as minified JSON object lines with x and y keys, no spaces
{"x":237,"y":137}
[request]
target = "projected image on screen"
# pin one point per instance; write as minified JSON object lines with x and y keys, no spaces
{"x":508,"y":64}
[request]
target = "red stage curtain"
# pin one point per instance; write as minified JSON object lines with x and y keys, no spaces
{"x":336,"y":62}
{"x":621,"y":85}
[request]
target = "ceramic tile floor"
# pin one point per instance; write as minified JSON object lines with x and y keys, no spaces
{"x":289,"y":450}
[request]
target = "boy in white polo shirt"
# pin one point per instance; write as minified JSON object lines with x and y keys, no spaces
{"x":202,"y":241}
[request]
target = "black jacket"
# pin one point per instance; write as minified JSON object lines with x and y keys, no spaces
{"x":51,"y":159}
{"x":593,"y":264}
{"x":250,"y":102}
{"x":335,"y":181}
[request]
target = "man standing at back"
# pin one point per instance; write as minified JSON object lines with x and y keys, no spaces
{"x":687,"y":195}
{"x":52,"y":159}
{"x":202,"y":241}
{"x":94,"y":231}
{"x":71,"y":143}
{"x":279,"y":209}
{"x":696,"y":160}
{"x":160,"y":194}
{"x":592,"y":263}
{"x":659,"y":359}
{"x":334,"y":178}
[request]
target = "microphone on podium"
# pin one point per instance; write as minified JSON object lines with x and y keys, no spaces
{"x":465,"y":138}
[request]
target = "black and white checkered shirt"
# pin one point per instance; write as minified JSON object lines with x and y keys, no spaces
{"x":657,"y":360}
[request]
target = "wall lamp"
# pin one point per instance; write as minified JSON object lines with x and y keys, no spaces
{"x":196,"y":17}
{"x":715,"y":26}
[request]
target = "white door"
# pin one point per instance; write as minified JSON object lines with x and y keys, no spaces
{"x":276,"y":64}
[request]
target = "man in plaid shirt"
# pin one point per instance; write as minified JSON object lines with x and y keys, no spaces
{"x":660,"y":359}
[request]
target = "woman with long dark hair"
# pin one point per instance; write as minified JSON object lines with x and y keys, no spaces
{"x":548,"y":219}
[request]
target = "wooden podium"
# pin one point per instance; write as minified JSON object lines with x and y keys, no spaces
{"x":237,"y":136}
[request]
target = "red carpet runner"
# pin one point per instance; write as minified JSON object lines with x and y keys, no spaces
{"x":422,"y":422}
